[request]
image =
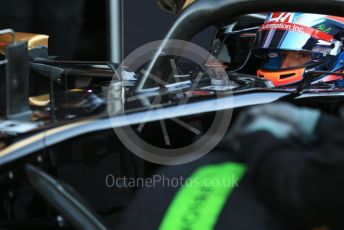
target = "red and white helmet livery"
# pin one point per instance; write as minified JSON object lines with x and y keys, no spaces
{"x":294,"y":43}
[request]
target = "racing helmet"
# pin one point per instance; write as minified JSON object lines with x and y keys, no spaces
{"x":292,"y":44}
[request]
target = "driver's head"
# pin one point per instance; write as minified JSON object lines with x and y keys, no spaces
{"x":291,"y":44}
{"x":294,"y":58}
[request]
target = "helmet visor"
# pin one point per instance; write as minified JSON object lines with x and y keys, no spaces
{"x":285,"y":59}
{"x":311,"y":40}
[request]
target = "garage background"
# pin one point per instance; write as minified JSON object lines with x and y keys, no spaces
{"x":143,"y":22}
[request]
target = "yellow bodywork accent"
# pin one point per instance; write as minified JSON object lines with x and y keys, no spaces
{"x":187,"y":3}
{"x":34,"y":40}
{"x":42,"y":100}
{"x":322,"y":228}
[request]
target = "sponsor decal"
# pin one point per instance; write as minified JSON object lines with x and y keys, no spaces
{"x":317,"y":34}
{"x":324,"y":28}
{"x":273,"y":55}
{"x":282,"y":17}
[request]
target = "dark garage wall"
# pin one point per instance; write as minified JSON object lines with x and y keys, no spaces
{"x":144,"y":22}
